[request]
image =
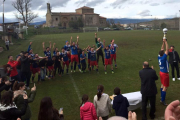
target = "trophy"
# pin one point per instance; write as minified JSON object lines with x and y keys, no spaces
{"x":165,"y":33}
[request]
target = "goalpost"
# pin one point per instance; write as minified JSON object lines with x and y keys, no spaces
{"x":90,"y":29}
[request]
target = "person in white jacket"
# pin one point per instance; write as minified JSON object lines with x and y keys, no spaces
{"x":102,"y":103}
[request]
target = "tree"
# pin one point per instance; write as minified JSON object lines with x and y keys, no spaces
{"x":59,"y":24}
{"x":112,"y":22}
{"x":118,"y":24}
{"x":163,"y":25}
{"x":80,"y":23}
{"x":76,"y":24}
{"x":24,"y":9}
{"x":114,"y":26}
{"x":73,"y":24}
{"x":107,"y":23}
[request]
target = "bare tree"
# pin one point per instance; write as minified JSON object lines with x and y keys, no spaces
{"x":112,"y":22}
{"x":24,"y":9}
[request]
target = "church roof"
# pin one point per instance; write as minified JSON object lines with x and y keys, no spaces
{"x":65,"y":13}
{"x":102,"y":17}
{"x":84,"y":7}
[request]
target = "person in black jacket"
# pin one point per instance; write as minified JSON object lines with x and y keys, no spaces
{"x":148,"y":89}
{"x":4,"y":84}
{"x":174,"y":62}
{"x":25,"y":68}
{"x":120,"y":104}
{"x":8,"y":110}
{"x":57,"y":64}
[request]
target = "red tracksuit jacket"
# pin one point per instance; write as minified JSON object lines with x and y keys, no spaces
{"x":13,"y":64}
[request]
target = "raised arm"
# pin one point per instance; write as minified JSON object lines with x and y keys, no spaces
{"x":95,"y":37}
{"x":53,"y":46}
{"x":29,"y":47}
{"x":71,"y":41}
{"x":167,"y":47}
{"x":104,"y":44}
{"x":77,"y":40}
{"x":43,"y":46}
{"x":50,"y":45}
{"x":162,"y":47}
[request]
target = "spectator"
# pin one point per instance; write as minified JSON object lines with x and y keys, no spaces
{"x":148,"y":89}
{"x":48,"y":112}
{"x":120,"y":104}
{"x":42,"y":65}
{"x":4,"y":84}
{"x":174,"y":62}
{"x":19,"y":65}
{"x":87,"y":109}
{"x":172,"y":111}
{"x":13,"y":70}
{"x":8,"y":110}
{"x":102,"y":103}
{"x":19,"y":92}
{"x":25,"y":68}
{"x":7,"y":44}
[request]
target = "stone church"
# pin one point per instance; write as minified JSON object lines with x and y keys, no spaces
{"x":89,"y":18}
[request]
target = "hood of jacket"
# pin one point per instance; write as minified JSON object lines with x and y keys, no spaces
{"x":119,"y":98}
{"x":4,"y":107}
{"x":86,"y":107}
{"x":19,"y":92}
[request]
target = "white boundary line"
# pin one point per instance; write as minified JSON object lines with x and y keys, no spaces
{"x":75,"y":87}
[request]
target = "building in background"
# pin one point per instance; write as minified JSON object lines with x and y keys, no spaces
{"x":171,"y":24}
{"x":89,"y":18}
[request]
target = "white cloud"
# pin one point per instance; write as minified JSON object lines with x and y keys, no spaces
{"x":144,"y":13}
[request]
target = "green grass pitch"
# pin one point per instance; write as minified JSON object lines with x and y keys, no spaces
{"x":135,"y":47}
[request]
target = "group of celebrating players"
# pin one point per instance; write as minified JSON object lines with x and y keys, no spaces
{"x":72,"y":55}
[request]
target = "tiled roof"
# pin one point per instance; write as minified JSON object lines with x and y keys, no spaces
{"x":65,"y":13}
{"x":84,"y":7}
{"x":102,"y":17}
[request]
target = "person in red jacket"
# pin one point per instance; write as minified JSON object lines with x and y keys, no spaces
{"x":13,"y":71}
{"x":87,"y":109}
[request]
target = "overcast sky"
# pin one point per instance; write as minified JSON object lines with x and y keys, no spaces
{"x":106,"y":8}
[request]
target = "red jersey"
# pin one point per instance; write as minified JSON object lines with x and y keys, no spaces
{"x":13,"y":64}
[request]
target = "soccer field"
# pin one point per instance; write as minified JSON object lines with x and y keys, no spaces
{"x":135,"y":47}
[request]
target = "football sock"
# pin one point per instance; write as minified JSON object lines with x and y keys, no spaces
{"x":115,"y":65}
{"x":161,"y":91}
{"x":163,"y":96}
{"x":32,"y":78}
{"x":39,"y":77}
{"x":62,"y":71}
{"x":66,"y":71}
{"x":79,"y":66}
{"x":71,"y":67}
{"x":97,"y":70}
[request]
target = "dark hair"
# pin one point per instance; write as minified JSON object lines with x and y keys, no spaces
{"x":146,"y":65}
{"x":7,"y":98}
{"x":5,"y":67}
{"x":84,"y":99}
{"x":172,"y":46}
{"x":47,"y":47}
{"x":17,"y":85}
{"x":100,"y":89}
{"x":111,"y":40}
{"x":46,"y":109}
{"x":62,"y":48}
{"x":117,"y":91}
{"x":161,"y":53}
{"x":25,"y":52}
{"x":57,"y":51}
{"x":9,"y":56}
